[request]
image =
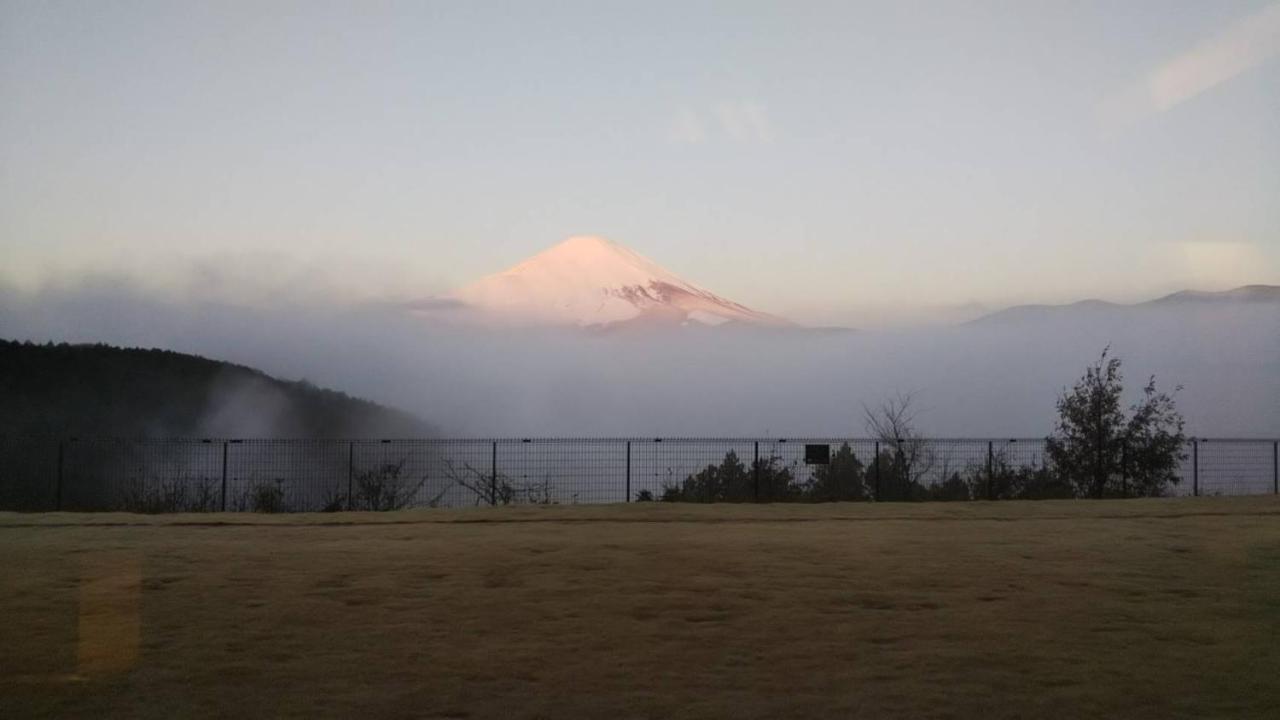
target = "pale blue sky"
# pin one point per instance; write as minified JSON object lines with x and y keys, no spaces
{"x":807,"y":158}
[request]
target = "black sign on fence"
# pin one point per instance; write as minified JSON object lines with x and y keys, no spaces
{"x":817,"y":454}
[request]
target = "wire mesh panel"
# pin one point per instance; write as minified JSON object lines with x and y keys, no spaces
{"x":1235,"y":467}
{"x":469,"y":470}
{"x":29,"y":473}
{"x":849,"y":474}
{"x":141,"y":475}
{"x":694,"y":470}
{"x":561,"y":471}
{"x":395,"y":474}
{"x":815,"y":469}
{"x":936,"y":470}
{"x":284,"y":475}
{"x":1186,"y":473}
{"x":1019,"y":470}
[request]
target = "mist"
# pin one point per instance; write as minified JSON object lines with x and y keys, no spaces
{"x":990,"y":379}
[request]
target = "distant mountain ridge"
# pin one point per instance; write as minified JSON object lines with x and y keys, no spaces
{"x":1243,"y":294}
{"x":100,"y":390}
{"x":594,"y":283}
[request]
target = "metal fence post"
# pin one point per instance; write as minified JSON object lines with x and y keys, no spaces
{"x":1195,"y":467}
{"x":1275,"y":466}
{"x":57,"y":490}
{"x":351,"y":472}
{"x":224,"y":476}
{"x":876,"y":465}
{"x":991,"y":469}
{"x":902,"y":476}
{"x":628,"y":471}
{"x":755,"y":471}
{"x":493,"y":475}
{"x":833,"y":478}
{"x":1124,"y":468}
{"x":710,"y":492}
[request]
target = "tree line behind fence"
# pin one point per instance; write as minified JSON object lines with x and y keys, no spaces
{"x":368,"y":475}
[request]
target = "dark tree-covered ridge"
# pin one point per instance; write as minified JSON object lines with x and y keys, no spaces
{"x":101,"y":390}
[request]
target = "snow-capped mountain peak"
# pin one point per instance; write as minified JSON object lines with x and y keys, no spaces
{"x":593,"y":282}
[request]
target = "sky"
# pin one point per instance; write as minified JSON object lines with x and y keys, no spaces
{"x":818,"y":160}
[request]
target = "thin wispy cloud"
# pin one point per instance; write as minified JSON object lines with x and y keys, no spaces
{"x":744,"y":121}
{"x":740,"y":121}
{"x":1241,"y":46}
{"x":687,"y":128}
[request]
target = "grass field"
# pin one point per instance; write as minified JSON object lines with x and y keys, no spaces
{"x":1137,"y":608}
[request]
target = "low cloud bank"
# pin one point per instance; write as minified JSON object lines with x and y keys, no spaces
{"x":993,"y":379}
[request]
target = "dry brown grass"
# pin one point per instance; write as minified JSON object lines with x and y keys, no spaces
{"x":1166,"y":608}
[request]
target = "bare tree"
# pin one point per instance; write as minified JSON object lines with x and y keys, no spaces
{"x":499,"y":488}
{"x":388,"y":487}
{"x":911,"y":456}
{"x":893,"y":419}
{"x":488,"y":489}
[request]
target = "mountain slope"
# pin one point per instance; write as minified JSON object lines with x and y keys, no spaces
{"x":592,"y":282}
{"x":99,"y":390}
{"x":1245,"y":293}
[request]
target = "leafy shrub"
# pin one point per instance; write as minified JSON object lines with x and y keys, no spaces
{"x":731,"y":481}
{"x":953,"y":488}
{"x":383,"y":488}
{"x":264,"y":498}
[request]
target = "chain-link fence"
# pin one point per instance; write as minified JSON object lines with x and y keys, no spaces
{"x":42,"y":474}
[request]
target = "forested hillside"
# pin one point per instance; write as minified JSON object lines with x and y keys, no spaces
{"x":100,"y":390}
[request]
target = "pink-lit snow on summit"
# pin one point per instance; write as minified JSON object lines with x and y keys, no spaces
{"x":593,"y":282}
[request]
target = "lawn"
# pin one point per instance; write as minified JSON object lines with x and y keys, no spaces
{"x":1136,"y":608}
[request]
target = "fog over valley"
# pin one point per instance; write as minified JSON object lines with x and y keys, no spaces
{"x":995,"y":377}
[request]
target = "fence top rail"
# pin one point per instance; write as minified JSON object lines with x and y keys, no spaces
{"x":793,"y":439}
